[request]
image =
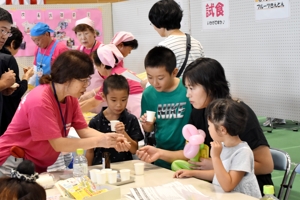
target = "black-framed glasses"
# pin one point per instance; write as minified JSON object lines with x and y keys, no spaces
{"x":5,"y":32}
{"x":86,"y":81}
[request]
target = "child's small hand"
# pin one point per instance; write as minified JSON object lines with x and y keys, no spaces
{"x":147,"y":126}
{"x":122,"y":145}
{"x":182,"y":173}
{"x":216,"y":149}
{"x":120,"y":127}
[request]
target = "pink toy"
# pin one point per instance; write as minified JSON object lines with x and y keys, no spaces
{"x":195,"y":138}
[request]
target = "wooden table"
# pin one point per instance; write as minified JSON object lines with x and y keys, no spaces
{"x":156,"y":176}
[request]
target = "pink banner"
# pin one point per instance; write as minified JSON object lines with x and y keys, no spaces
{"x":62,"y":21}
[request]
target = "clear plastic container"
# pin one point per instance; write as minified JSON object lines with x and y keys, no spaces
{"x":269,"y":193}
{"x":80,"y":166}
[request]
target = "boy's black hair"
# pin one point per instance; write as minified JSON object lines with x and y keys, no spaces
{"x":228,"y":113}
{"x":5,"y":16}
{"x":166,"y":14}
{"x":161,"y":57}
{"x":115,"y":82}
{"x":133,"y":44}
{"x":17,"y":38}
{"x":210,"y":74}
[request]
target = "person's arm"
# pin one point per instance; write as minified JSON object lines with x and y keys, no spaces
{"x":89,"y":156}
{"x":59,"y":144}
{"x":89,"y":94}
{"x":150,"y":154}
{"x":263,"y":162}
{"x":89,"y":104}
{"x":227,"y":180}
{"x":120,"y":128}
{"x":207,"y":175}
{"x":121,"y":143}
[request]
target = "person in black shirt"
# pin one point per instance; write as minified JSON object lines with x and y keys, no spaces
{"x":115,"y":93}
{"x":8,"y":61}
{"x":205,"y":81}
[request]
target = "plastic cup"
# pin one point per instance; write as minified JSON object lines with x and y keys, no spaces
{"x":93,"y":175}
{"x":113,"y":124}
{"x":150,"y":116}
{"x":125,"y":174}
{"x":106,"y":172}
{"x":112,"y":176}
{"x":101,"y":177}
{"x":139,"y":168}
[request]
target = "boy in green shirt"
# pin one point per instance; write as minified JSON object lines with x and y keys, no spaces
{"x":167,"y":97}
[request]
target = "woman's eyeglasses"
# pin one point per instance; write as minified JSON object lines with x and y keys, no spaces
{"x":86,"y":81}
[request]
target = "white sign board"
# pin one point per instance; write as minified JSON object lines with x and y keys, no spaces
{"x":215,"y":14}
{"x":275,"y":9}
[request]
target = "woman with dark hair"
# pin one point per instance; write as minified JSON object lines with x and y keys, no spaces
{"x":165,"y":16}
{"x":39,"y":129}
{"x":22,"y":184}
{"x":205,"y":81}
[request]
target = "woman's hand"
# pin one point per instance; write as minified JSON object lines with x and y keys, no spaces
{"x":148,"y":154}
{"x":203,"y":164}
{"x":110,"y":140}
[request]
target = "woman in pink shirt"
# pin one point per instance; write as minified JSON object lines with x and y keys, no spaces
{"x":86,"y":35}
{"x":112,"y":55}
{"x":39,"y":129}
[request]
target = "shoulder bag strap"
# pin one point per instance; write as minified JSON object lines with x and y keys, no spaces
{"x":188,"y":48}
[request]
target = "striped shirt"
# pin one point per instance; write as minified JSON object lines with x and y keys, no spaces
{"x":61,"y":163}
{"x":177,"y":43}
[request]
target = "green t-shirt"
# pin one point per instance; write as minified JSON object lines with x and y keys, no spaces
{"x":173,"y":111}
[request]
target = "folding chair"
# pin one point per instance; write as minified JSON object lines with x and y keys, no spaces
{"x":291,"y":181}
{"x":282,"y":162}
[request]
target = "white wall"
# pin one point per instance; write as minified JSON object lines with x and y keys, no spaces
{"x":132,"y":16}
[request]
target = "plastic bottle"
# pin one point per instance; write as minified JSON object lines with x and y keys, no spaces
{"x":269,"y":193}
{"x":80,"y":166}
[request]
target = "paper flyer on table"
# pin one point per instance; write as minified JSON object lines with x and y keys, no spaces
{"x":174,"y":191}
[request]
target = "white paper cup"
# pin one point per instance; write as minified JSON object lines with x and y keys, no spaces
{"x":101,"y":177}
{"x":150,"y":116}
{"x":106,"y":172}
{"x":112,"y":176}
{"x":139,"y":168}
{"x":125,"y":174}
{"x":93,"y":175}
{"x":113,"y":124}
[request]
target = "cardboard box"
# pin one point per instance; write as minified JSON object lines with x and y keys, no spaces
{"x":113,"y":193}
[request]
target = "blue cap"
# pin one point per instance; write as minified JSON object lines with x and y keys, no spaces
{"x":40,"y":29}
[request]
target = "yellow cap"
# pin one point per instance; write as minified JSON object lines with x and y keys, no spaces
{"x":79,"y":151}
{"x":269,"y":189}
